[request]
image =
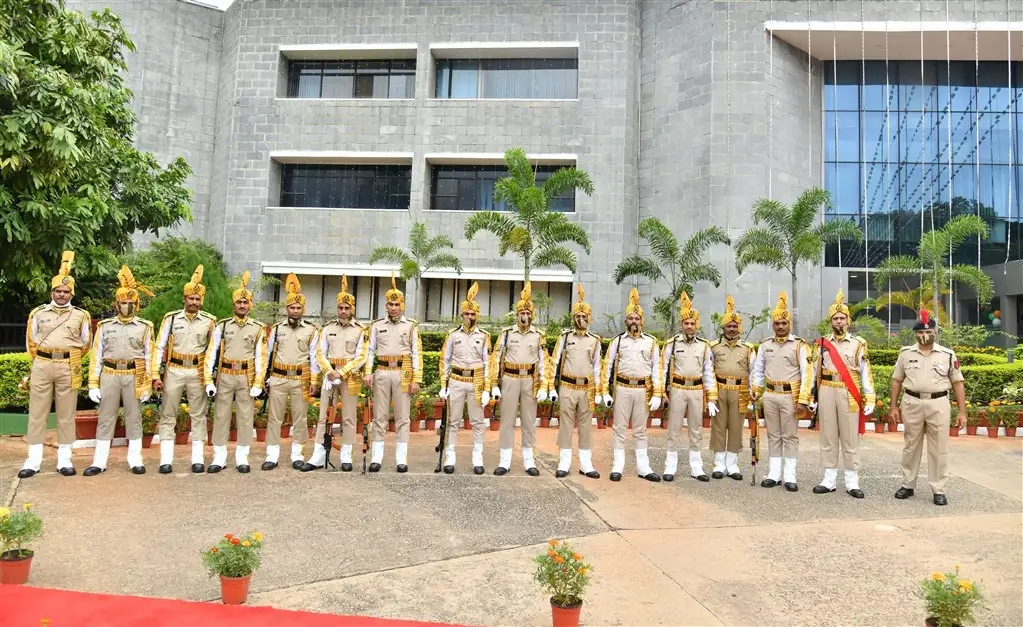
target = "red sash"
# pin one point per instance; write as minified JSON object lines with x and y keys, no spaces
{"x":850,"y":385}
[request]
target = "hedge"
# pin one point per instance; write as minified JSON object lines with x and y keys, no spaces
{"x":983,"y":383}
{"x":887,"y":357}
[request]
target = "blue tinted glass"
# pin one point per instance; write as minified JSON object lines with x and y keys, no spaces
{"x":879,"y":86}
{"x":842,"y":126}
{"x":842,"y":181}
{"x":994,"y":190}
{"x":877,"y":129}
{"x":995,"y":139}
{"x":841,"y":86}
{"x":964,"y":189}
{"x":879,"y":186}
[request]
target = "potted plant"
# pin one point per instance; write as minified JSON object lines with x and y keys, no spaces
{"x":259,"y":422}
{"x":972,"y":421}
{"x":495,"y":421}
{"x":86,"y":421}
{"x":312,"y":416}
{"x":182,"y":425}
{"x":602,"y":413}
{"x":234,"y":560}
{"x":150,"y":424}
{"x":953,"y":430}
{"x":994,"y":419}
{"x":1010,"y":419}
{"x":562,"y":574}
{"x":17,"y":530}
{"x":879,"y":422}
{"x":544,"y":411}
{"x":949,"y":600}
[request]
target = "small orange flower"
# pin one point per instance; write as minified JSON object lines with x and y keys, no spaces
{"x":559,"y":560}
{"x":551,"y":554}
{"x":227,"y":536}
{"x":235,"y":541}
{"x":553,"y":543}
{"x":583,"y":571}
{"x":577,"y":557}
{"x":214,"y":550}
{"x":246,"y":543}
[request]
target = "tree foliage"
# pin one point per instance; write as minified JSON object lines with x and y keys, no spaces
{"x":531,"y":230}
{"x":168,"y":264}
{"x":70,"y":176}
{"x":424,"y":252}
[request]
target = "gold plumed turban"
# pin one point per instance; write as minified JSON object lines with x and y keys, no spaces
{"x":294,"y":291}
{"x":838,"y":306}
{"x":394,"y":294}
{"x":781,"y":310}
{"x":195,"y":286}
{"x":687,"y":311}
{"x":63,"y":276}
{"x":343,"y":296}
{"x":730,"y":314}
{"x":470,"y":304}
{"x":242,"y":292}
{"x":580,"y":306}
{"x":633,"y":306}
{"x":129,"y":287}
{"x":525,"y":304}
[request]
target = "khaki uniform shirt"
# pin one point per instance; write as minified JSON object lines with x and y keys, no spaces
{"x":635,"y":358}
{"x":785,"y":361}
{"x":689,"y":360}
{"x":292,"y":348}
{"x":520,"y":349}
{"x":244,"y":340}
{"x":853,"y":351}
{"x":934,"y":372}
{"x":578,"y":354}
{"x":734,"y":360}
{"x":191,"y":335}
{"x":52,"y":328}
{"x":123,"y":340}
{"x":394,"y":339}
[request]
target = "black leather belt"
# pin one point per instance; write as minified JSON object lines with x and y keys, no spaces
{"x":778,"y":387}
{"x":389,"y":363}
{"x":522,"y":372}
{"x":177,"y":361}
{"x":234,"y":365}
{"x":463,"y":372}
{"x":54,"y":354}
{"x":685,"y":381}
{"x":625,"y":381}
{"x":575,"y":381}
{"x":927,"y":395}
{"x":284,"y":372}
{"x":731,"y":381}
{"x":113,"y":365}
{"x":837,"y":378}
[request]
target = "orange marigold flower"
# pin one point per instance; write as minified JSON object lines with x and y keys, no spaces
{"x":227,"y":536}
{"x":576,"y":556}
{"x":246,"y":543}
{"x":235,"y":541}
{"x":551,"y":554}
{"x":553,"y":543}
{"x":559,"y":560}
{"x":214,"y":550}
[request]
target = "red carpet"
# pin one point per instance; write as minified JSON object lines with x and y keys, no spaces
{"x":26,"y":606}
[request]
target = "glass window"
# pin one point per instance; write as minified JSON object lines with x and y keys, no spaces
{"x":543,"y":79}
{"x":845,"y":127}
{"x":471,"y":188}
{"x":346,"y":186}
{"x":352,"y":79}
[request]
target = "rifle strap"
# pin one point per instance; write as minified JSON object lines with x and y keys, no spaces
{"x":850,"y":385}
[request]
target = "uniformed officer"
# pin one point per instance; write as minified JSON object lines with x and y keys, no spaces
{"x":465,"y":381}
{"x":58,"y":334}
{"x":689,"y":368}
{"x":845,"y":394}
{"x":783,"y":375}
{"x":633,"y":371}
{"x":122,"y":373}
{"x":291,"y":355}
{"x":520,"y":357}
{"x":237,"y":351}
{"x":574,"y":378}
{"x":733,"y":370}
{"x":928,"y":370}
{"x":181,"y":349}
{"x":341,"y":354}
{"x":396,"y":353}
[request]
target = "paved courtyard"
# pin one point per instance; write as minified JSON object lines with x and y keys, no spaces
{"x":458,"y":548}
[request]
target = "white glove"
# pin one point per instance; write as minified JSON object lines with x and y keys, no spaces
{"x":145,"y":397}
{"x":94,"y":395}
{"x":868,"y":409}
{"x":751,"y":407}
{"x":812,"y":407}
{"x":541,"y":396}
{"x":255,"y":391}
{"x":485,"y":399}
{"x":495,"y":392}
{"x":655,"y":403}
{"x":608,"y":400}
{"x":553,"y":396}
{"x":712,"y":409}
{"x":443,"y":393}
{"x":211,"y":390}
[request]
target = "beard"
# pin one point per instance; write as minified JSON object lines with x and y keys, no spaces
{"x":839,"y":332}
{"x":633,"y":328}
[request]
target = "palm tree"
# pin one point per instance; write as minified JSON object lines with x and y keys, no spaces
{"x":920,"y":298}
{"x":531,"y":230}
{"x":683,"y":265}
{"x":930,"y":264}
{"x":784,"y":237}
{"x":424,"y":253}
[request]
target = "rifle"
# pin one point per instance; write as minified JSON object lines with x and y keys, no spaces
{"x":442,"y":432}
{"x":754,"y":440}
{"x":365,"y":445}
{"x":328,"y":433}
{"x":265,"y":394}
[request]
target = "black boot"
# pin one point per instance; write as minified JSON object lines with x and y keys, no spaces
{"x":166,"y":469}
{"x":92,"y":471}
{"x":25,"y":473}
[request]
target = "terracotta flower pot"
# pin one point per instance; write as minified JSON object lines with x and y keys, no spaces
{"x":181,"y":438}
{"x":431,"y":424}
{"x":706,"y":422}
{"x":413,"y":425}
{"x":233,"y":436}
{"x":495,"y":425}
{"x":209,"y":436}
{"x":545,"y":422}
{"x":878,"y":427}
{"x":120,"y":431}
{"x":438,"y":408}
{"x":147,"y":441}
{"x":465,"y":424}
{"x":390,"y":426}
{"x":284,"y":430}
{"x":260,"y":435}
{"x":953,"y":432}
{"x":85,"y":424}
{"x":566,"y":616}
{"x":893,"y":428}
{"x":971,"y":429}
{"x":14,"y":570}
{"x":601,"y":423}
{"x":234,"y":590}
{"x":992,"y":432}
{"x":1010,"y":432}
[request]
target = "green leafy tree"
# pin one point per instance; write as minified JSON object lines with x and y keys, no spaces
{"x":916,"y":299}
{"x":931,"y":264}
{"x":680,"y":266}
{"x":70,"y":176}
{"x":785,"y":237}
{"x":168,"y":264}
{"x":531,"y":230}
{"x":424,"y":252}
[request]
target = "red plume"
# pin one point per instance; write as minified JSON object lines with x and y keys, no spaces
{"x":925,"y":316}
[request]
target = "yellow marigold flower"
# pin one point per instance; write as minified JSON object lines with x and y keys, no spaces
{"x":27,"y":506}
{"x":583,"y":571}
{"x":559,"y":560}
{"x":965,"y":585}
{"x":258,"y":537}
{"x":990,"y":410}
{"x":183,"y":406}
{"x":552,"y":554}
{"x":246,"y":543}
{"x":4,"y":512}
{"x":996,"y":403}
{"x":937,"y":577}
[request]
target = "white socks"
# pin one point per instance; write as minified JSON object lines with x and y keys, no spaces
{"x":219,"y":456}
{"x":527,"y":459}
{"x":477,"y":454}
{"x":696,"y":463}
{"x":346,"y":453}
{"x":565,"y":459}
{"x":35,"y":458}
{"x":318,"y":457}
{"x":586,"y":460}
{"x":401,"y":453}
{"x":790,"y":470}
{"x":449,"y":455}
{"x":296,"y":452}
{"x":506,"y":454}
{"x":99,"y":456}
{"x":830,"y":478}
{"x":671,"y":463}
{"x":273,"y":453}
{"x":241,"y":455}
{"x":166,"y":452}
{"x":852,"y":479}
{"x":64,"y":456}
{"x":377,"y":449}
{"x":619,"y":461}
{"x":719,"y":462}
{"x":135,"y":453}
{"x":643,"y":462}
{"x":774,"y":469}
{"x":732,"y":462}
{"x":197,"y":451}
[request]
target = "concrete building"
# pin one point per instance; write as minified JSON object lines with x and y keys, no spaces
{"x":320,"y":130}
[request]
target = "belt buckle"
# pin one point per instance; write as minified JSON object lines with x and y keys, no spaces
{"x":633,"y":381}
{"x":925,"y":396}
{"x":392,"y":364}
{"x":778,"y":388}
{"x":523,"y":372}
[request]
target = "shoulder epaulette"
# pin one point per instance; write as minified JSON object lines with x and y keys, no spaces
{"x":107,"y":320}
{"x":797,"y":338}
{"x":704,"y":340}
{"x":145,"y":322}
{"x":453,"y":330}
{"x":944,"y":349}
{"x":596,"y":335}
{"x":206,"y":314}
{"x":906,"y":348}
{"x":714,"y":343}
{"x":748,"y":345}
{"x":39,"y":308}
{"x":229,"y":318}
{"x":357,"y":323}
{"x":171,"y":313}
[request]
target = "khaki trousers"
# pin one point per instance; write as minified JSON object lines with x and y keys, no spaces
{"x":277,"y":399}
{"x":686,"y":404}
{"x":931,"y":418}
{"x":630,"y":409}
{"x":233,"y":389}
{"x":517,"y":401}
{"x":575,"y":412}
{"x":387,"y":390}
{"x":461,"y":394}
{"x":117,"y":389}
{"x":349,"y":409}
{"x":51,"y":384}
{"x":726,"y":427}
{"x":839,"y":428}
{"x":782,"y":427}
{"x":176,"y":382}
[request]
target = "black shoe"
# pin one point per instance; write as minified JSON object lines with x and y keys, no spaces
{"x":213,"y":468}
{"x":616,"y":476}
{"x":736,"y":475}
{"x":244,"y":468}
{"x":703,"y":478}
{"x":402,"y":468}
{"x":271,"y":466}
{"x":656,"y":478}
{"x":67,"y":471}
{"x":92,"y":471}
{"x":449,"y":470}
{"x":717,"y":474}
{"x":668,"y":477}
{"x":197,"y":468}
{"x":904,"y":493}
{"x":791,"y":487}
{"x":819,"y":489}
{"x":940,"y":499}
{"x":138,"y":470}
{"x":346,"y":468}
{"x":500,"y":471}
{"x":478,"y":470}
{"x":593,"y":474}
{"x":533,"y":472}
{"x":25,"y":473}
{"x":560,"y":474}
{"x":307,"y":467}
{"x":374,"y":467}
{"x":297,"y":464}
{"x":769,"y":483}
{"x":856,"y":493}
{"x":166,"y":469}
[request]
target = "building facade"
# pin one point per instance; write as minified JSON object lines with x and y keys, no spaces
{"x":319,"y":131}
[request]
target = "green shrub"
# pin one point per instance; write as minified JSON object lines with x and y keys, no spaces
{"x":983,"y":383}
{"x":887,"y":357}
